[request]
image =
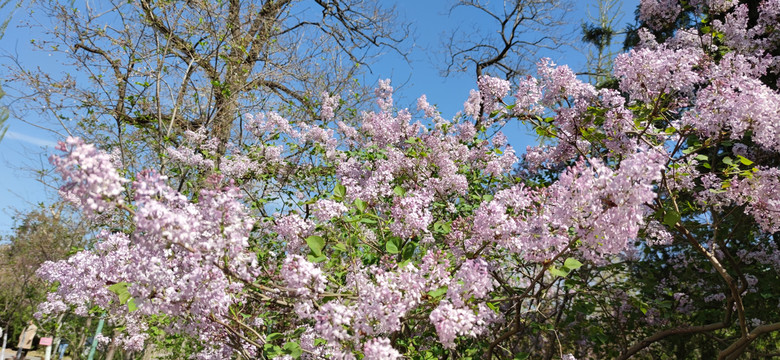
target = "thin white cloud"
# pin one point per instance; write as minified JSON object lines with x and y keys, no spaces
{"x":13,"y":135}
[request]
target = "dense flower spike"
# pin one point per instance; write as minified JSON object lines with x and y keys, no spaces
{"x":762,"y":196}
{"x":647,"y":74}
{"x":659,"y":13}
{"x":91,"y":179}
{"x":380,"y":348}
{"x":329,"y":105}
{"x":303,"y":277}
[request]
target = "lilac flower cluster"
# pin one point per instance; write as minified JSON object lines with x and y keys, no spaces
{"x":91,"y":179}
{"x":738,"y":101}
{"x":176,"y":264}
{"x":587,"y":198}
{"x":461,"y":313}
{"x":472,"y":105}
{"x":427,"y":109}
{"x":187,"y":156}
{"x":527,"y":97}
{"x":762,"y":196}
{"x":384,"y":299}
{"x":380,"y":348}
{"x":646,"y":74}
{"x":325,"y":209}
{"x":305,"y":279}
{"x":659,"y":13}
{"x":238,"y":166}
{"x":560,"y":83}
{"x":84,"y":276}
{"x":384,"y":95}
{"x":716,"y":6}
{"x":263,"y":124}
{"x":293,"y":229}
{"x":329,"y":105}
{"x":412,"y":213}
{"x":492,"y":90}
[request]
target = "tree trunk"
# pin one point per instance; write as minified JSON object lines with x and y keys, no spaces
{"x":77,"y":351}
{"x":113,"y":346}
{"x":148,"y":352}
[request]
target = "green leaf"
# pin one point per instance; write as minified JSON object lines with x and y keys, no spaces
{"x":273,"y":336}
{"x":299,"y":331}
{"x":398,"y":190}
{"x":360,"y":204}
{"x":744,"y":160}
{"x":316,"y":243}
{"x":316,"y":259}
{"x":293,"y":349}
{"x":341,"y":247}
{"x":438,"y":292}
{"x":493,"y":306}
{"x":442,"y":227}
{"x":408,"y":251}
{"x":671,"y":218}
{"x":727,"y":160}
{"x":572,"y":264}
{"x":123,"y":297}
{"x":391,"y":247}
{"x":118,"y":288}
{"x":702,"y":157}
{"x":340,"y":191}
{"x":131,"y":305}
{"x":271,"y":349}
{"x":666,"y":304}
{"x":558,"y":272}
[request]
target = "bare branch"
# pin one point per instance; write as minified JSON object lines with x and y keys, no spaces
{"x":522,"y":28}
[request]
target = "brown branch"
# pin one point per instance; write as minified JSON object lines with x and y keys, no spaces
{"x":670,"y":332}
{"x":185,"y":50}
{"x":280,"y":90}
{"x":738,"y":347}
{"x":516,"y":323}
{"x":259,"y":32}
{"x":735,"y":294}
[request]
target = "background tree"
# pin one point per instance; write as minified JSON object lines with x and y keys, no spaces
{"x":522,"y":30}
{"x":3,"y":117}
{"x":146,"y":70}
{"x":44,"y":234}
{"x":601,"y":31}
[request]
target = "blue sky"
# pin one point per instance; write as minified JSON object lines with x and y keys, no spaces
{"x":25,"y":148}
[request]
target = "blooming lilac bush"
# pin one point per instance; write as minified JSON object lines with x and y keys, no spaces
{"x":421,"y":238}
